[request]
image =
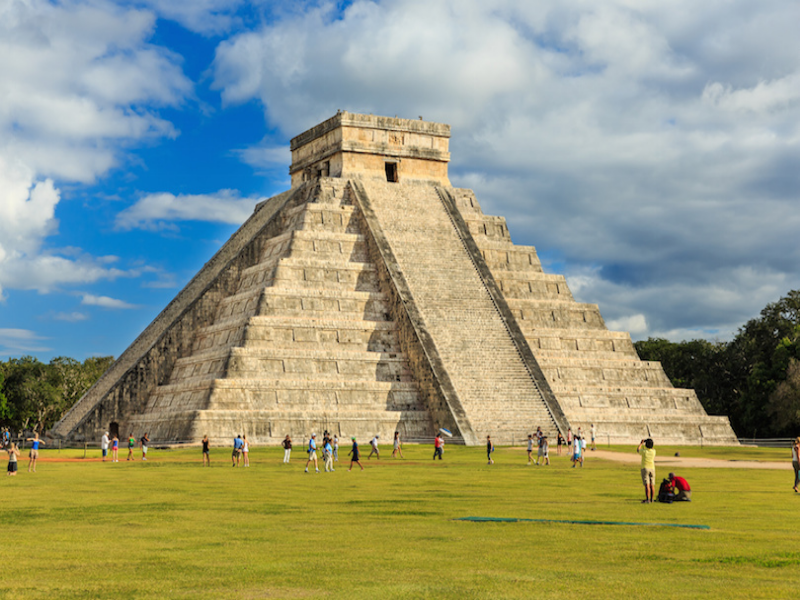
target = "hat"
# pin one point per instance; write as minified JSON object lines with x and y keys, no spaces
{"x":354,"y":439}
{"x":313,"y":435}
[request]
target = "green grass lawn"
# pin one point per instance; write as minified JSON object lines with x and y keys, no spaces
{"x":169,"y":528}
{"x":714,"y":452}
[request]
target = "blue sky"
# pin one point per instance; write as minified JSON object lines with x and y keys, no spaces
{"x":650,"y":153}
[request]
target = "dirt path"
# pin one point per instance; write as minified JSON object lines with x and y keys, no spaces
{"x":679,"y":461}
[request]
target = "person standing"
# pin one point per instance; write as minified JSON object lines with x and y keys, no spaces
{"x":312,"y":452}
{"x":530,"y":448}
{"x":438,"y":446}
{"x":287,"y":449}
{"x":104,"y":445}
{"x":13,"y":455}
{"x":336,"y":448}
{"x":593,"y":433}
{"x":569,"y":438}
{"x":544,"y":449}
{"x":489,"y":449}
{"x":375,"y":451}
{"x":115,"y":448}
{"x":576,"y":452}
{"x":327,"y":454}
{"x":583,"y":449}
{"x":560,"y":443}
{"x":245,"y":450}
{"x":34,"y":453}
{"x":796,"y":463}
{"x":237,"y":451}
{"x":355,"y":455}
{"x":131,"y":446}
{"x":648,"y":468}
{"x":540,"y":451}
{"x":206,"y":452}
{"x":398,"y":447}
{"x":143,"y":443}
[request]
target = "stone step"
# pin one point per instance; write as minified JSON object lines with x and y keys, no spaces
{"x":324,"y":303}
{"x":373,"y":336}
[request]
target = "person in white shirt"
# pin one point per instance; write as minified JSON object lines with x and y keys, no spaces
{"x":104,"y":445}
{"x":374,"y":444}
{"x":593,"y":433}
{"x":530,"y":448}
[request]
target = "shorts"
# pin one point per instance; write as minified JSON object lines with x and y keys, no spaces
{"x":144,"y":449}
{"x":576,"y":456}
{"x":235,"y":452}
{"x":34,"y":454}
{"x":541,"y":452}
{"x":649,"y":476}
{"x":312,"y":455}
{"x":12,"y":467}
{"x":105,"y":452}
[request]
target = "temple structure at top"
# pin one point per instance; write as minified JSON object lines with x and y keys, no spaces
{"x":374,"y":297}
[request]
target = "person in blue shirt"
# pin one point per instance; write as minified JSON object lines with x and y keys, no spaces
{"x":34,"y":455}
{"x":312,"y":452}
{"x":355,"y":456}
{"x":327,"y":452}
{"x":237,"y":450}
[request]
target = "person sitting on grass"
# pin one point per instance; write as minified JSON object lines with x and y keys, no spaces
{"x":355,"y":456}
{"x":681,"y":488}
{"x":648,"y":468}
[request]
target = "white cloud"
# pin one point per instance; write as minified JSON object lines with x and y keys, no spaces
{"x":203,"y":16}
{"x":78,"y":81}
{"x":652,"y":146}
{"x":72,"y":317}
{"x":105,"y":302}
{"x":156,"y":212}
{"x":13,"y":341}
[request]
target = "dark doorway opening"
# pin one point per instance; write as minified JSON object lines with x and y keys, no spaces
{"x":113,"y":429}
{"x":391,"y":172}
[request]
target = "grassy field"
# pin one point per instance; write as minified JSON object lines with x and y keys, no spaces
{"x":169,"y":528}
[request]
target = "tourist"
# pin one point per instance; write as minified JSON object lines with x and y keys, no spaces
{"x":489,"y":449}
{"x":6,"y":438}
{"x":34,"y":453}
{"x":530,"y":448}
{"x":583,"y":449}
{"x":145,"y":439}
{"x":336,"y":448}
{"x":544,"y":452}
{"x":206,"y":452}
{"x":539,"y":435}
{"x":560,"y":442}
{"x":327,"y":454}
{"x":397,"y":445}
{"x":287,"y":449}
{"x":593,"y":433}
{"x":796,"y":463}
{"x":245,"y":451}
{"x":115,"y":448}
{"x":374,"y":444}
{"x":104,"y":445}
{"x":13,"y":455}
{"x":237,"y":450}
{"x":569,"y":437}
{"x":438,"y":446}
{"x":648,"y":468}
{"x":312,"y":452}
{"x":131,"y":446}
{"x":577,"y":456}
{"x":681,"y":488}
{"x":355,"y":456}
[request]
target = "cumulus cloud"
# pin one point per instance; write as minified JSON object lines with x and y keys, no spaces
{"x":156,"y":212}
{"x":106,"y":302}
{"x":79,"y":82}
{"x":14,"y":341}
{"x":650,"y":150}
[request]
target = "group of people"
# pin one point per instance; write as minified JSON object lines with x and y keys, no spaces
{"x":672,"y":489}
{"x":14,"y":454}
{"x":112,"y":443}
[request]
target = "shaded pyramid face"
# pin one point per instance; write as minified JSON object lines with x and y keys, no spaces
{"x":374,"y":297}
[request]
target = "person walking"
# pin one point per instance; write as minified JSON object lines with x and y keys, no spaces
{"x":593,"y":434}
{"x":577,"y":456}
{"x":312,"y":452}
{"x":438,"y":446}
{"x":34,"y":453}
{"x":237,"y":451}
{"x":13,"y":455}
{"x":489,"y":449}
{"x":143,"y":443}
{"x":544,"y":452}
{"x":397,"y":446}
{"x":287,"y":449}
{"x":355,"y":455}
{"x":327,"y":454}
{"x":131,"y":446}
{"x":115,"y":448}
{"x":530,"y":449}
{"x":206,"y":452}
{"x":104,"y":445}
{"x":560,"y":442}
{"x":336,"y":448}
{"x":245,"y":451}
{"x":648,"y":468}
{"x":374,"y":444}
{"x":796,"y":463}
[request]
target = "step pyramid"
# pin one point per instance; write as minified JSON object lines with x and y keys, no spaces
{"x":374,"y":297}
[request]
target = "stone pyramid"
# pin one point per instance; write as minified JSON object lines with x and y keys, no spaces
{"x":374,"y":297}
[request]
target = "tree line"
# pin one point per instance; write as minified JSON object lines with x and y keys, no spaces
{"x":34,"y":395}
{"x":754,"y":379}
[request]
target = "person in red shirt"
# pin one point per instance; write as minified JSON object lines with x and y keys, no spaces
{"x":681,"y":488}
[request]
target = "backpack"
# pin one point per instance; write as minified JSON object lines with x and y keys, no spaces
{"x":665,"y":492}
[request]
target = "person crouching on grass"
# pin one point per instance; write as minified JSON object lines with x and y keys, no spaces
{"x":648,"y":468}
{"x":355,"y":456}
